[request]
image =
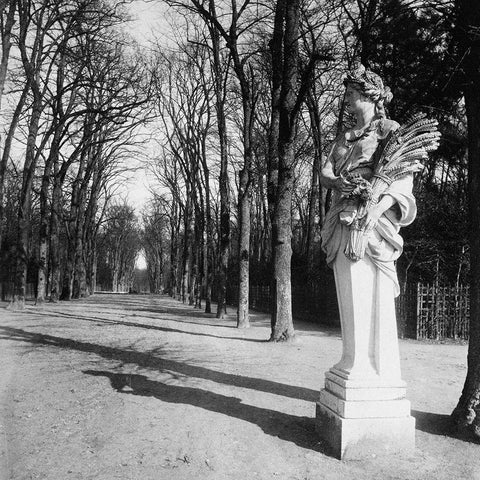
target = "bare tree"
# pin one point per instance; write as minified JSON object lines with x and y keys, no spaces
{"x":239,"y":23}
{"x":289,"y":90}
{"x":466,"y":414}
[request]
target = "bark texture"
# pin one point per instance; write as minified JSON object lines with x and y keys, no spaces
{"x":467,"y":413}
{"x":282,"y":322}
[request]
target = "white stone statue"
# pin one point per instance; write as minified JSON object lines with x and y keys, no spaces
{"x":370,"y":170}
{"x":366,"y":287}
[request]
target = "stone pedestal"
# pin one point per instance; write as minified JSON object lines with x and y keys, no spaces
{"x":362,"y":411}
{"x":360,"y":419}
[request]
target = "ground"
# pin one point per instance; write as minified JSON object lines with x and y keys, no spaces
{"x":144,"y":387}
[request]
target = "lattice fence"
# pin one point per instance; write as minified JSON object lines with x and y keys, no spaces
{"x":442,"y":311}
{"x":423,"y":311}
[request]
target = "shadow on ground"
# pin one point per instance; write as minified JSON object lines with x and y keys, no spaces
{"x":106,"y":321}
{"x":434,"y":423}
{"x":291,"y":428}
{"x":148,"y":360}
{"x":165,"y":306}
{"x":440,"y":424}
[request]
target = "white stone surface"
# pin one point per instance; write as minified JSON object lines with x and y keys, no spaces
{"x":367,"y":315}
{"x":367,"y":393}
{"x":359,"y":438}
{"x":363,"y":409}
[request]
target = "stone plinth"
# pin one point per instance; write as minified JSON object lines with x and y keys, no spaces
{"x":361,"y":418}
{"x":362,"y":411}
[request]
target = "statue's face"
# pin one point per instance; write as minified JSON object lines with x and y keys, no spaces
{"x":356,"y":101}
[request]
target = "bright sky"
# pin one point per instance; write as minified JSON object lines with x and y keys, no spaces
{"x":149,"y":20}
{"x":149,"y":23}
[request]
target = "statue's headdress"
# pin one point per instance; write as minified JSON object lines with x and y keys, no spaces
{"x":369,"y":83}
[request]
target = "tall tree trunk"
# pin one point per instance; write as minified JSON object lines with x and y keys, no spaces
{"x":43,"y":240}
{"x":24,"y":207}
{"x":186,"y":247}
{"x":282,"y":322}
{"x":7,"y":149}
{"x":467,"y":413}
{"x":173,"y":252}
{"x":315,"y":191}
{"x":6,"y":33}
{"x":244,"y":201}
{"x":224,"y":234}
{"x":55,"y":214}
{"x":276,"y":52}
{"x":90,"y":231}
{"x":209,"y":250}
{"x":43,"y":234}
{"x":282,"y":249}
{"x":243,"y":248}
{"x":75,"y":222}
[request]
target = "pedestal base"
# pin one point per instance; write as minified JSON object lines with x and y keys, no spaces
{"x":365,"y":417}
{"x":359,"y":438}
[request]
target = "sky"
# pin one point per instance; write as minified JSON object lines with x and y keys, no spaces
{"x":149,"y":22}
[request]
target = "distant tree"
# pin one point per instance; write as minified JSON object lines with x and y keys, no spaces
{"x":119,"y":245}
{"x":155,"y":241}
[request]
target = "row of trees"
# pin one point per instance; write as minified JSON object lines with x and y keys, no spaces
{"x":256,"y":84}
{"x":74,"y":93}
{"x":250,"y":98}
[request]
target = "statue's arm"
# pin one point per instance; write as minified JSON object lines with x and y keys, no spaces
{"x":376,"y":211}
{"x":328,"y":179}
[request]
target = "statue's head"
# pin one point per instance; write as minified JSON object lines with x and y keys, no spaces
{"x":370,"y":85}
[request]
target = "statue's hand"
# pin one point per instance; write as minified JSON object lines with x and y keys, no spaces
{"x":371,"y":217}
{"x":344,"y":186}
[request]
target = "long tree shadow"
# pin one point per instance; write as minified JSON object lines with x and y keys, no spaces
{"x":167,"y":306}
{"x":147,"y":360}
{"x":299,"y":430}
{"x":99,"y":320}
{"x":161,"y":305}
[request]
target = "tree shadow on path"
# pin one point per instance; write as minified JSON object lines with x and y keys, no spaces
{"x":147,"y":360}
{"x":106,"y":321}
{"x":291,"y":428}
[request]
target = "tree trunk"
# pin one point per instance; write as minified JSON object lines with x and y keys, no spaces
{"x":243,"y":249}
{"x":173,"y":252}
{"x":224,"y":234}
{"x":7,"y":149}
{"x":315,"y":191}
{"x":244,"y":200}
{"x":44,"y":236}
{"x":24,"y":208}
{"x":43,"y":233}
{"x":75,"y":223}
{"x":467,"y":413}
{"x":282,"y":329}
{"x":6,"y":44}
{"x":282,"y":322}
{"x":55,"y":234}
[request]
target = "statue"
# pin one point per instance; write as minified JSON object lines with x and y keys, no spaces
{"x":370,"y":170}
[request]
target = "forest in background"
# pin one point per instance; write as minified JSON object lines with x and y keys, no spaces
{"x":240,"y":104}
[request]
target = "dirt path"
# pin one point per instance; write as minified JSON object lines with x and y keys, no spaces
{"x":143,"y":387}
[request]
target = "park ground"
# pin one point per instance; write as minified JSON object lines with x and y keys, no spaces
{"x":146,"y":388}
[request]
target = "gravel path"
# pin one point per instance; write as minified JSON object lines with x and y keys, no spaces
{"x":144,"y":387}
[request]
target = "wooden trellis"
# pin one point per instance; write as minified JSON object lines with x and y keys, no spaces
{"x":442,"y":311}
